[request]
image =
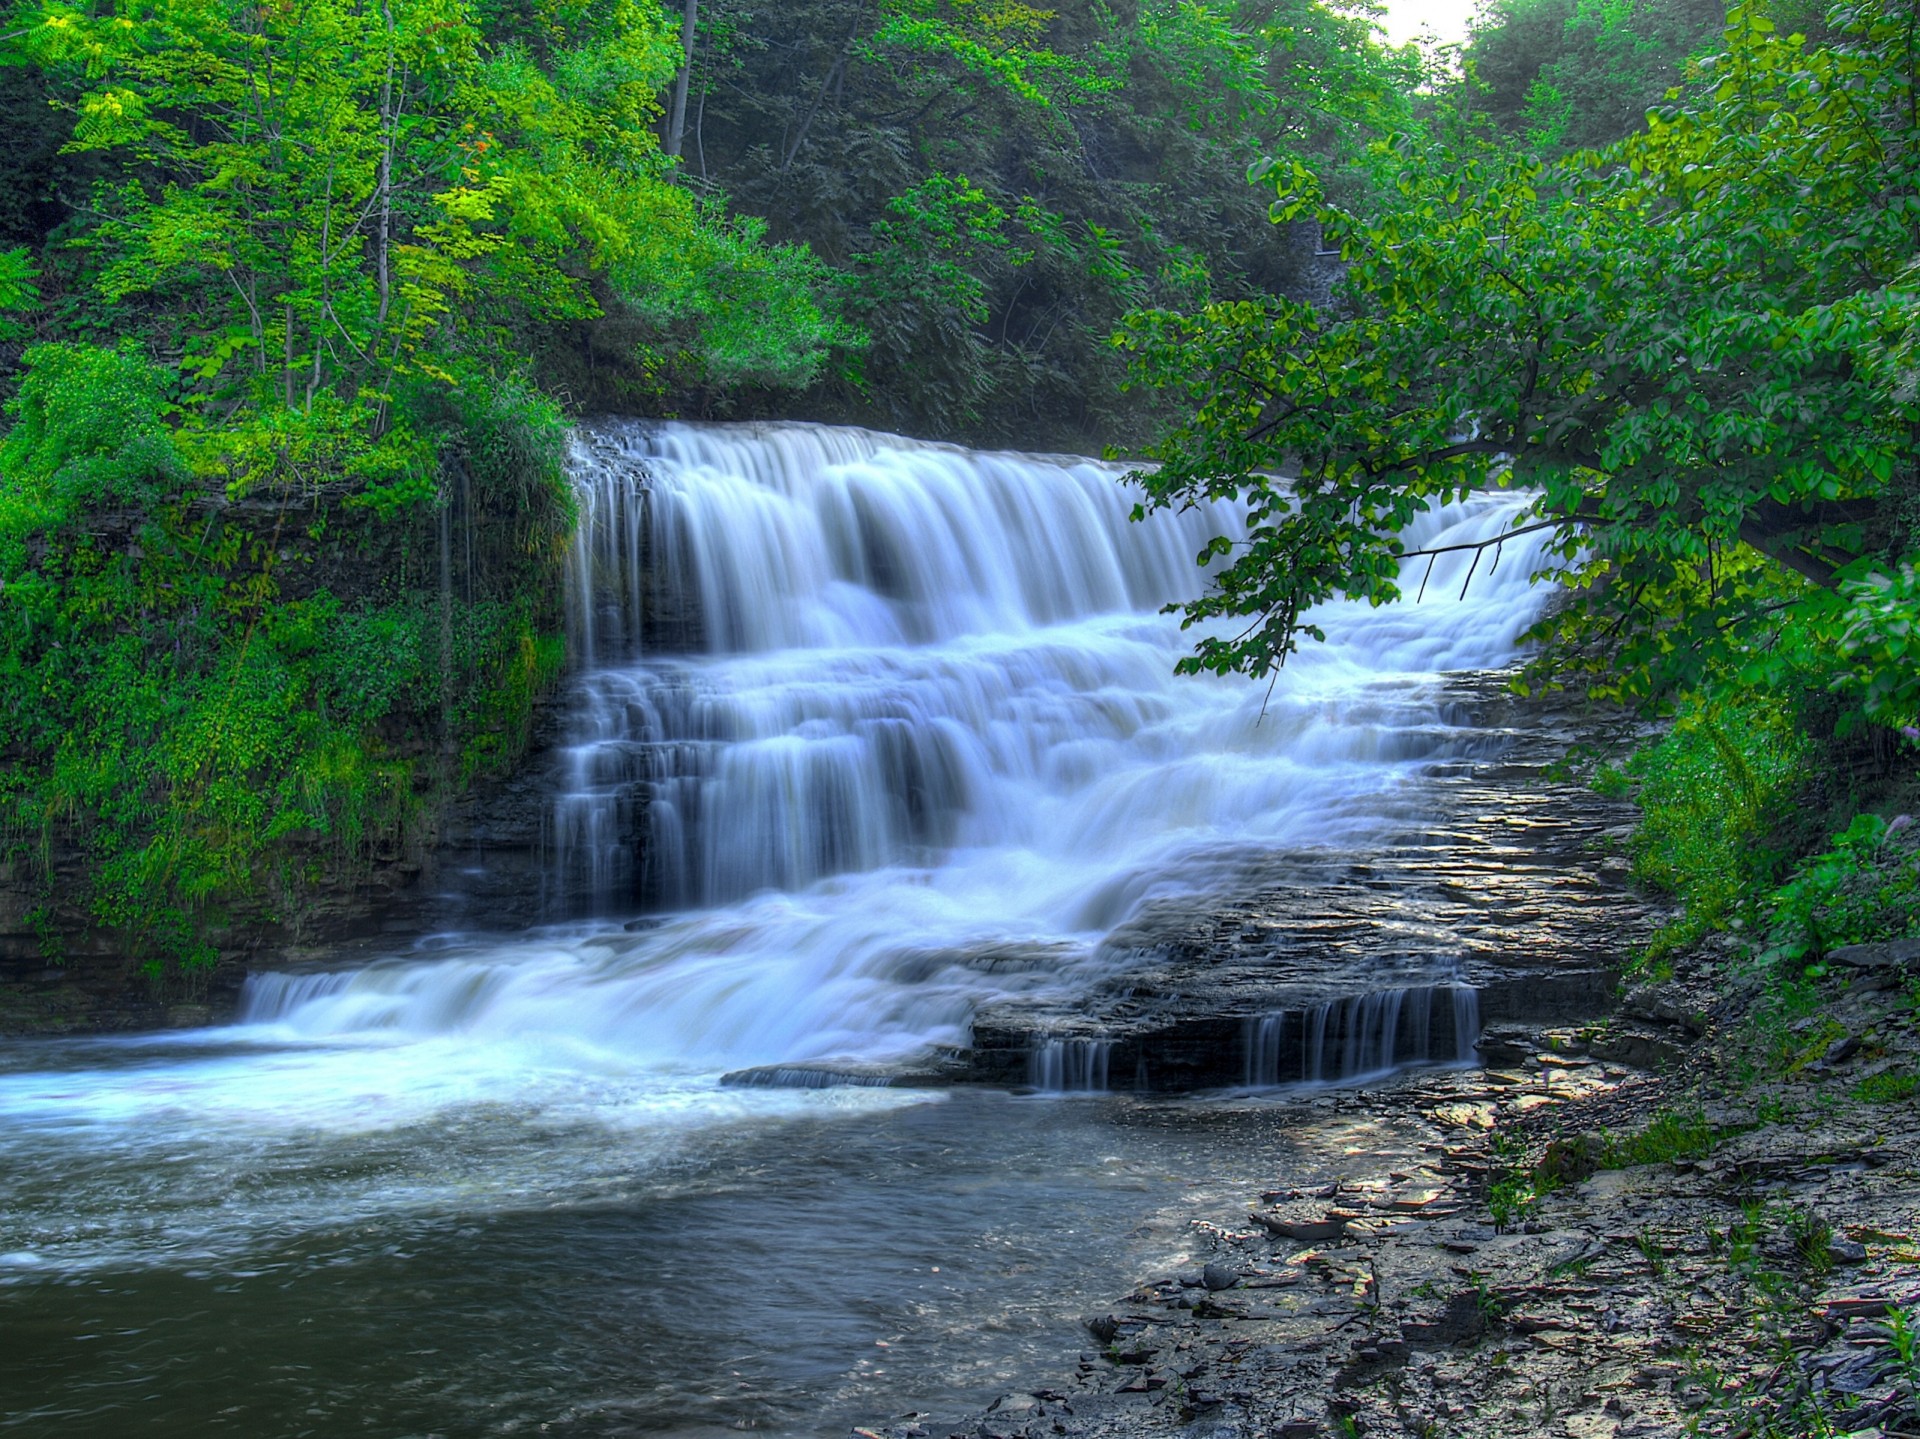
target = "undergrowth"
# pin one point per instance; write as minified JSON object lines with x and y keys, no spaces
{"x":213,"y":700}
{"x":1769,"y":819}
{"x":1709,"y":791}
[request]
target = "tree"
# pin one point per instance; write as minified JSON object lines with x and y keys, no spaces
{"x":1113,"y":140}
{"x":1568,"y":74}
{"x":350,"y":200}
{"x":338,"y":245}
{"x":1687,"y":347}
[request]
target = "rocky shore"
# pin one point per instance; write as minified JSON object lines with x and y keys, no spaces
{"x":1615,"y":1229}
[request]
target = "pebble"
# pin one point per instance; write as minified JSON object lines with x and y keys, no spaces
{"x":1841,"y":1250}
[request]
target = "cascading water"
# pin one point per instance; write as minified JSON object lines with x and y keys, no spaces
{"x":856,"y":712}
{"x":894,"y":651}
{"x":1362,"y":1035}
{"x":1070,"y":1066}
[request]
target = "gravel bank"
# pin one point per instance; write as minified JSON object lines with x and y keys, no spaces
{"x":1710,"y":1254}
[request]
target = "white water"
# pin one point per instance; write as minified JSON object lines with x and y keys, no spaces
{"x":935,"y":716}
{"x":1070,"y":1066}
{"x":933,"y":723}
{"x":1363,"y":1035}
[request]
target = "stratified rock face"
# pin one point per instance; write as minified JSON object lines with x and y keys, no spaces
{"x":1492,"y":902}
{"x":1495,"y":903}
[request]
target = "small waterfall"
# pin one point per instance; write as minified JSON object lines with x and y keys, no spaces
{"x":1363,"y":1034}
{"x":801,"y":1076}
{"x":1070,"y":1066}
{"x":269,"y":997}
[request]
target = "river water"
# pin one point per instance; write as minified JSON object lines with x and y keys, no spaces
{"x":858,"y":719}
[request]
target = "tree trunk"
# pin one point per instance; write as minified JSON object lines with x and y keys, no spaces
{"x":383,"y":237}
{"x":677,"y":123}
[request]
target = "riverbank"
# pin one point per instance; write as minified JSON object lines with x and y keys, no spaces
{"x":1615,"y":1229}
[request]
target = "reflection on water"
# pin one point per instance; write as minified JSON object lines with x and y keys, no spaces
{"x":515,"y":1268}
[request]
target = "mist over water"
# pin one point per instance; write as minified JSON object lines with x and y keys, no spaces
{"x":866,"y":733}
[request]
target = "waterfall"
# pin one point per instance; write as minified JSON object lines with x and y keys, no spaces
{"x":1363,"y":1034}
{"x":879,"y":731}
{"x":1070,"y":1066}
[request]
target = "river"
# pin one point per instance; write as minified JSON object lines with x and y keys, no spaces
{"x":865,"y":734}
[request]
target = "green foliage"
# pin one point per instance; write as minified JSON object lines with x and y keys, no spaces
{"x":206,"y":726}
{"x":1865,"y":887}
{"x":1670,"y":1135}
{"x":920,"y":294}
{"x":1515,"y":1188}
{"x":734,"y":311}
{"x":18,"y":290}
{"x":1669,"y":345}
{"x":1887,"y":1088}
{"x":1709,"y":793}
{"x":1570,"y":74}
{"x":90,"y":431}
{"x":1112,"y":143}
{"x":1000,"y":43}
{"x":1493,"y":1307}
{"x":1512,"y":1196}
{"x":1878,"y":641}
{"x":348,"y":204}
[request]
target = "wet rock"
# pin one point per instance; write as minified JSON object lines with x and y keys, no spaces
{"x":1297,"y":1225}
{"x":818,"y":1076}
{"x":1664,"y":1004}
{"x":1212,"y":1309}
{"x":1505,"y":1045}
{"x":1893,"y":953}
{"x":1841,"y":1250}
{"x":1638,"y":1048}
{"x":1454,"y":1320}
{"x":1015,"y":1404}
{"x":1871,"y":1303}
{"x":1218,"y":1276}
{"x":1850,"y":1373}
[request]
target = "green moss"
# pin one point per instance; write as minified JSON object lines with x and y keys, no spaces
{"x":222,"y":707}
{"x":1888,"y":1088}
